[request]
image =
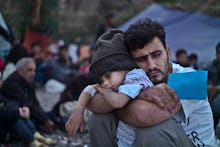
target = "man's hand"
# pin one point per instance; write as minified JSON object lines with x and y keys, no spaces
{"x":24,"y":112}
{"x":153,"y":105}
{"x":162,"y":96}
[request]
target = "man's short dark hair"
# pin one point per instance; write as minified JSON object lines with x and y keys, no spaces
{"x":109,"y":16}
{"x":180,"y":51}
{"x":142,"y":33}
{"x":193,"y":56}
{"x":34,"y":44}
{"x":217,"y":47}
{"x":63,"y":47}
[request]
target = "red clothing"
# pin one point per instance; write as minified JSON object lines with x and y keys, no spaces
{"x":2,"y":65}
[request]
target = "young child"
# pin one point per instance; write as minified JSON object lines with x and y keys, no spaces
{"x":119,"y":81}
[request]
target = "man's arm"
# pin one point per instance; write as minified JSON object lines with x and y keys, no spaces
{"x":213,"y":91}
{"x":9,"y":114}
{"x":98,"y":104}
{"x":140,"y":112}
{"x":143,"y":113}
{"x":14,"y":91}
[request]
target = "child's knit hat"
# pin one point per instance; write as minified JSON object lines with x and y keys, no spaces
{"x":111,"y":55}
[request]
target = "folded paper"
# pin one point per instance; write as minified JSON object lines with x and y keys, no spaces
{"x":189,"y":85}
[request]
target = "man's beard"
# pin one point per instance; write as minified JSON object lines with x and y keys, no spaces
{"x":164,"y":74}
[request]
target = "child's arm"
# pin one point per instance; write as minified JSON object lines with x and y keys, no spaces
{"x":76,"y":120}
{"x":116,"y":100}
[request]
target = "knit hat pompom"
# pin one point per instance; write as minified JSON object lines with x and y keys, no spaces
{"x":111,"y":55}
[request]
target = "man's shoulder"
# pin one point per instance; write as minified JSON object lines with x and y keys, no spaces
{"x":176,"y":68}
{"x":211,"y":65}
{"x":14,"y":76}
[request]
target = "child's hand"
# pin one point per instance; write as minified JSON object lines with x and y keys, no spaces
{"x":103,"y":90}
{"x":75,"y":122}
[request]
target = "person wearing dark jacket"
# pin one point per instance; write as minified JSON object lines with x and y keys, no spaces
{"x":15,"y":124}
{"x":8,"y":116}
{"x":19,"y":87}
{"x":106,"y":25}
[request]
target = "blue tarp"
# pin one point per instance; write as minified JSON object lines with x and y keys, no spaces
{"x":195,"y":32}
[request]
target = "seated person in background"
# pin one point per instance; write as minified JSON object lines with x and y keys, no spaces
{"x":120,"y":81}
{"x":106,"y":25}
{"x":15,"y":124}
{"x":193,"y":61}
{"x":64,"y":57}
{"x":40,"y":57}
{"x":37,"y":52}
{"x":70,"y":94}
{"x":19,"y":87}
{"x":73,"y":90}
{"x":182,"y":58}
{"x":85,"y":63}
{"x":16,"y":53}
{"x":60,"y":68}
{"x":2,"y":66}
{"x":213,"y":68}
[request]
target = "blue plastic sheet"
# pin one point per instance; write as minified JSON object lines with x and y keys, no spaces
{"x":196,"y":32}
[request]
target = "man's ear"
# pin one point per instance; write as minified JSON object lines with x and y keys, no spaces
{"x":168,"y":52}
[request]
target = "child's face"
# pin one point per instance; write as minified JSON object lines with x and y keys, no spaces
{"x":113,"y":79}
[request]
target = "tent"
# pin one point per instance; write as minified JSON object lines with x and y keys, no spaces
{"x":196,"y":32}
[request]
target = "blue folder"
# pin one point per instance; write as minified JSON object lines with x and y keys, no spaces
{"x":189,"y":85}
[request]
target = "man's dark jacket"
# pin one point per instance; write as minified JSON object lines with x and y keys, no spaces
{"x":9,"y":113}
{"x":15,"y":88}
